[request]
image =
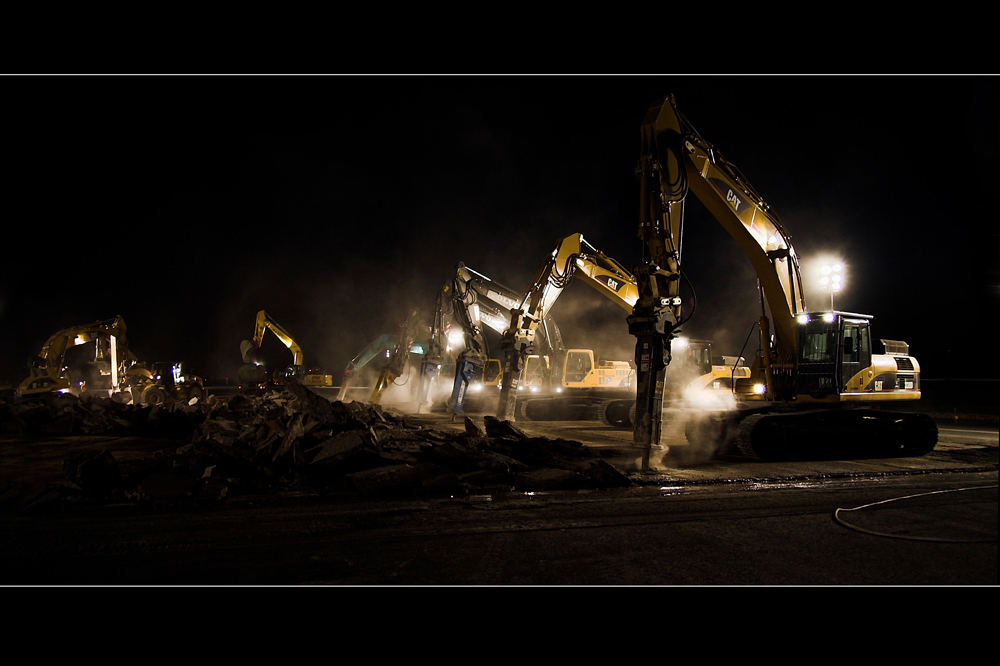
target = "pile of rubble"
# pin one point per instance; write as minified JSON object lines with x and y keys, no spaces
{"x":297,"y":440}
{"x":63,"y":414}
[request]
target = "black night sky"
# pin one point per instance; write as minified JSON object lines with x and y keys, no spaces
{"x":187,"y":203}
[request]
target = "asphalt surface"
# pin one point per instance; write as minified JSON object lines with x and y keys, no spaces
{"x":688,"y":520}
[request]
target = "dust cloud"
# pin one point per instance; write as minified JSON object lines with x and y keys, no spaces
{"x":688,"y":428}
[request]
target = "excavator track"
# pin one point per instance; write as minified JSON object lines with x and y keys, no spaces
{"x":742,"y":441}
{"x":616,"y":412}
{"x":833,"y":432}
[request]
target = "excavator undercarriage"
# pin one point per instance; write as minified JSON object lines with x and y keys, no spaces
{"x":782,"y":431}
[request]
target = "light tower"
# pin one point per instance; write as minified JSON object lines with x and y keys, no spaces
{"x":831,"y":278}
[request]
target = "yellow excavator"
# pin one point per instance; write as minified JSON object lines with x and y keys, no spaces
{"x":101,"y":367}
{"x":604,"y":390}
{"x":815,"y":380}
{"x":696,"y":378}
{"x":572,"y":257}
{"x":95,"y":359}
{"x":252,"y":373}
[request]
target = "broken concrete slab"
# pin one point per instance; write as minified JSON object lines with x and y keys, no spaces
{"x":472,"y":429}
{"x":497,"y":428}
{"x":295,"y":438}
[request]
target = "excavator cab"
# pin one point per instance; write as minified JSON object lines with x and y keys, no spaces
{"x":535,"y":375}
{"x":579,"y":364}
{"x":491,"y":372}
{"x":835,"y":353}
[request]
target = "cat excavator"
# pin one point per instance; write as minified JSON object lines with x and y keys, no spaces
{"x":573,"y":256}
{"x":468,"y":304}
{"x":252,"y":373}
{"x":95,"y":359}
{"x":582,"y":387}
{"x":104,"y":368}
{"x":815,"y":380}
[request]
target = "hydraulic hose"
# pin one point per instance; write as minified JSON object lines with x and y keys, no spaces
{"x":837,"y":518}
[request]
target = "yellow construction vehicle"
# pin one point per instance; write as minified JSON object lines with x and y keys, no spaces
{"x":812,"y":366}
{"x":570,"y":384}
{"x":95,"y":359}
{"x":573,"y":377}
{"x":693,"y":366}
{"x":88,"y":358}
{"x":253,"y":375}
{"x":694,"y":379}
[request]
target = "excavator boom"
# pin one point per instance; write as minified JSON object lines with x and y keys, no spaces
{"x":812,"y":358}
{"x":264,"y":322}
{"x":398,"y":356}
{"x":682,"y":160}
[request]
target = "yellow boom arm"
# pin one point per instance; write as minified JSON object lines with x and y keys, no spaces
{"x":264,"y":322}
{"x":675,"y":159}
{"x":572,"y":256}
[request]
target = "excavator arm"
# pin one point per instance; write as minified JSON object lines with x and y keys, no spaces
{"x":467,"y":312}
{"x":674,"y":161}
{"x":264,"y":322}
{"x":474,"y":302}
{"x":683,"y":161}
{"x":495,"y":301}
{"x":408,"y":332}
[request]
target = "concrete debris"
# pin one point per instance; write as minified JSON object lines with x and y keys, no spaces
{"x":297,"y":439}
{"x":472,"y":429}
{"x":65,"y":414}
{"x":497,"y":428}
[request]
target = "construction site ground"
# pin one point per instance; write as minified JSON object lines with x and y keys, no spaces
{"x":686,"y":520}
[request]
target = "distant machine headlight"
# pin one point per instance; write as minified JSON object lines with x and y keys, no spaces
{"x":759,"y":389}
{"x":802,"y":319}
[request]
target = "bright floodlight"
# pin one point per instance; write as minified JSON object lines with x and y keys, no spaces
{"x":831,"y":278}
